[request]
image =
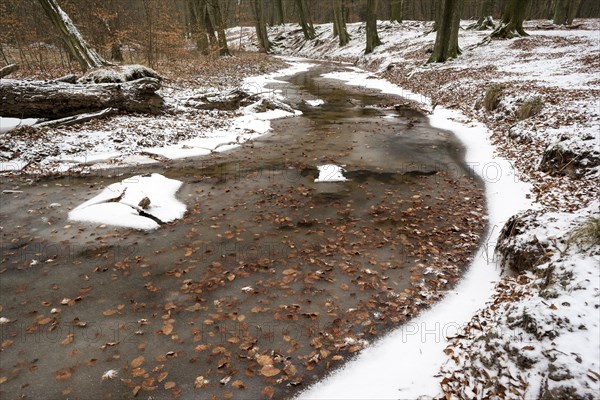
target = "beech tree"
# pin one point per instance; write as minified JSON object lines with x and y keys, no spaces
{"x":214,"y":12}
{"x":485,"y":20}
{"x":565,"y":11}
{"x":305,"y":20}
{"x":339,"y":22}
{"x":198,"y":27}
{"x":77,"y":46}
{"x":397,"y":13}
{"x":447,"y":24}
{"x":372,"y":35}
{"x":261,"y":26}
{"x":514,"y":14}
{"x":278,"y":14}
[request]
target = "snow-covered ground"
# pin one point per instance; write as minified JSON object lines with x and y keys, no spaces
{"x":501,"y":333}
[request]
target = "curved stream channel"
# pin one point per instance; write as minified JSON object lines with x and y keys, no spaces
{"x":270,"y":281}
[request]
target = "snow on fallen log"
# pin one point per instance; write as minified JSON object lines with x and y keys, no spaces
{"x":52,"y":100}
{"x":139,"y":202}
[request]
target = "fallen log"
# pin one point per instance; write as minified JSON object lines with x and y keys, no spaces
{"x":228,"y":101}
{"x":9,"y":69}
{"x":53,"y":100}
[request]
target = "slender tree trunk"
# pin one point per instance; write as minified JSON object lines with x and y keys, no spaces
{"x":305,"y":20}
{"x":485,"y":16}
{"x":397,"y":10}
{"x":77,"y":46}
{"x":198,"y":27}
{"x":448,"y":25}
{"x":278,"y":12}
{"x":208,"y":23}
{"x":149,"y":22}
{"x":572,"y":11}
{"x":565,"y":11}
{"x":372,"y":36}
{"x":339,"y":22}
{"x":261,"y":26}
{"x":515,"y":13}
{"x":215,"y":13}
{"x":438,"y":7}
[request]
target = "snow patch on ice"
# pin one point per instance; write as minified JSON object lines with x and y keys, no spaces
{"x":315,"y":103}
{"x":331,"y":173}
{"x":102,"y":209}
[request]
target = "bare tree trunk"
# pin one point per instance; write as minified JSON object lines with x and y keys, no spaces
{"x":339,"y":22}
{"x":278,"y":13}
{"x":515,"y":13}
{"x":150,"y":53}
{"x":448,"y":24}
{"x":209,"y":25}
{"x":215,"y":12}
{"x":485,"y":17}
{"x":305,"y":20}
{"x":438,"y":7}
{"x":565,"y":11}
{"x":397,"y":10}
{"x":572,"y":11}
{"x":198,"y":28}
{"x":261,"y":26}
{"x":77,"y":46}
{"x":372,"y":36}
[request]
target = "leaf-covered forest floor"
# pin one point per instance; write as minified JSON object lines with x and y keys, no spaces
{"x":538,"y":334}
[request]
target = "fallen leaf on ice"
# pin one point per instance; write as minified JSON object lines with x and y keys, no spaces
{"x":200,"y":382}
{"x":136,"y":362}
{"x":269,"y":370}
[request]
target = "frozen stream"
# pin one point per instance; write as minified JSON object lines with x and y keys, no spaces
{"x":269,"y":281}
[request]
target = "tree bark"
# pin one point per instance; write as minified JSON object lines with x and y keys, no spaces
{"x":77,"y":46}
{"x":278,"y":13}
{"x":515,"y":13}
{"x":305,"y":20}
{"x":339,"y":22}
{"x":372,"y":36}
{"x":215,"y":12}
{"x":565,"y":11}
{"x":52,"y":100}
{"x":198,"y":27}
{"x":485,"y":17}
{"x":397,"y":10}
{"x":261,"y":26}
{"x":448,"y":24}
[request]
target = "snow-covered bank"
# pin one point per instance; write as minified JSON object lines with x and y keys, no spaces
{"x":128,"y":140}
{"x":404,"y":363}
